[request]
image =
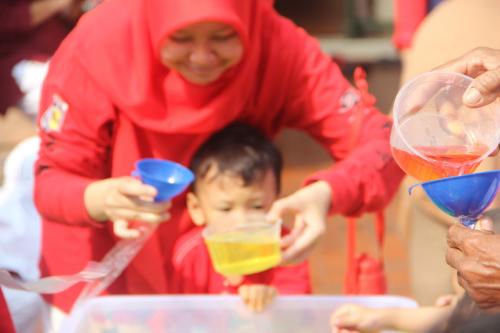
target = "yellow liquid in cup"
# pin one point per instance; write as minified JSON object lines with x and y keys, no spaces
{"x":237,"y":253}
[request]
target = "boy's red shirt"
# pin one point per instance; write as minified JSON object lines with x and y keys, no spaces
{"x":193,"y":272}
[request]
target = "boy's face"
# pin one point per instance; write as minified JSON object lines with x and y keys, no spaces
{"x":223,"y":198}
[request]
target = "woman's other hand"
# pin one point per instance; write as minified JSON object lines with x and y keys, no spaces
{"x":309,"y":206}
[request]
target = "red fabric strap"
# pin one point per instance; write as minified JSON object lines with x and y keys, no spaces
{"x":350,"y":281}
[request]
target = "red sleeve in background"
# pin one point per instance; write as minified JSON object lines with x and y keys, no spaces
{"x":14,"y":17}
{"x":6,"y":325}
{"x":407,"y":17}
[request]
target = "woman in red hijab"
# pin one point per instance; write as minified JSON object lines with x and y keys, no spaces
{"x":155,"y":78}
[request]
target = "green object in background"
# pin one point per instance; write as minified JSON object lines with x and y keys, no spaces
{"x":351,"y":25}
{"x":359,"y":18}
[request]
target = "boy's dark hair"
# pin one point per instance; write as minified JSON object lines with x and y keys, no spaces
{"x":241,"y":150}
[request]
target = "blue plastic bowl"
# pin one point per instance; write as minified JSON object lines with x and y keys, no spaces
{"x":169,"y":178}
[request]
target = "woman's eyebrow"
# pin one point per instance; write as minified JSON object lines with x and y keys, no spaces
{"x":179,"y":32}
{"x":225,"y":29}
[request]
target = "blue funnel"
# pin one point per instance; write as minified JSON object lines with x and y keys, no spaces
{"x":169,"y":178}
{"x":463,"y":197}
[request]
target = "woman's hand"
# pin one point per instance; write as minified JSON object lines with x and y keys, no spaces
{"x":309,"y":206}
{"x":124,"y":199}
{"x":257,"y":296}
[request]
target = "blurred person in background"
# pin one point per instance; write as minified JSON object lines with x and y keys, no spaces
{"x":408,"y":15}
{"x":30,"y":30}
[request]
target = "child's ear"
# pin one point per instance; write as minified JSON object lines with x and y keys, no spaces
{"x":194,"y":209}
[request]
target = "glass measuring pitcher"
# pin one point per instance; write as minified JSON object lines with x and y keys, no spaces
{"x":434,"y":135}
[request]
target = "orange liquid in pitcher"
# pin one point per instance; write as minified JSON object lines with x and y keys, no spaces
{"x":442,"y":161}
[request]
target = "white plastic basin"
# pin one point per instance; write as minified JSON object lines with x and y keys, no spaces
{"x":203,"y":314}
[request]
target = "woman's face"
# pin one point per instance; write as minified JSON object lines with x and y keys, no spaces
{"x":203,"y":51}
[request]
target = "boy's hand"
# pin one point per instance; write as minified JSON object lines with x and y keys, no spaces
{"x":446,"y":300}
{"x":257,"y":296}
{"x":356,"y":318}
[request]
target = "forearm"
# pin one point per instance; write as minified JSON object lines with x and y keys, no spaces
{"x":373,"y":177}
{"x":379,"y":175}
{"x":93,"y":199}
{"x":364,"y":181}
{"x":424,"y":319}
{"x":365,"y":177}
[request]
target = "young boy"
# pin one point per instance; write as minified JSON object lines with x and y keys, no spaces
{"x":237,"y":175}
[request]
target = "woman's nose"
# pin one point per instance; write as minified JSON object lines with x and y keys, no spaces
{"x":202,"y":55}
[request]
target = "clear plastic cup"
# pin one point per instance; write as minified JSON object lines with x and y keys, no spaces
{"x":244,"y":247}
{"x":434,"y":135}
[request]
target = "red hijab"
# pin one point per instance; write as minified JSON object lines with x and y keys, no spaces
{"x":130,"y":72}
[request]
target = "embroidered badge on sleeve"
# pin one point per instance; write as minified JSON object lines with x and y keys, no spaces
{"x":348,"y":100}
{"x":53,"y":118}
